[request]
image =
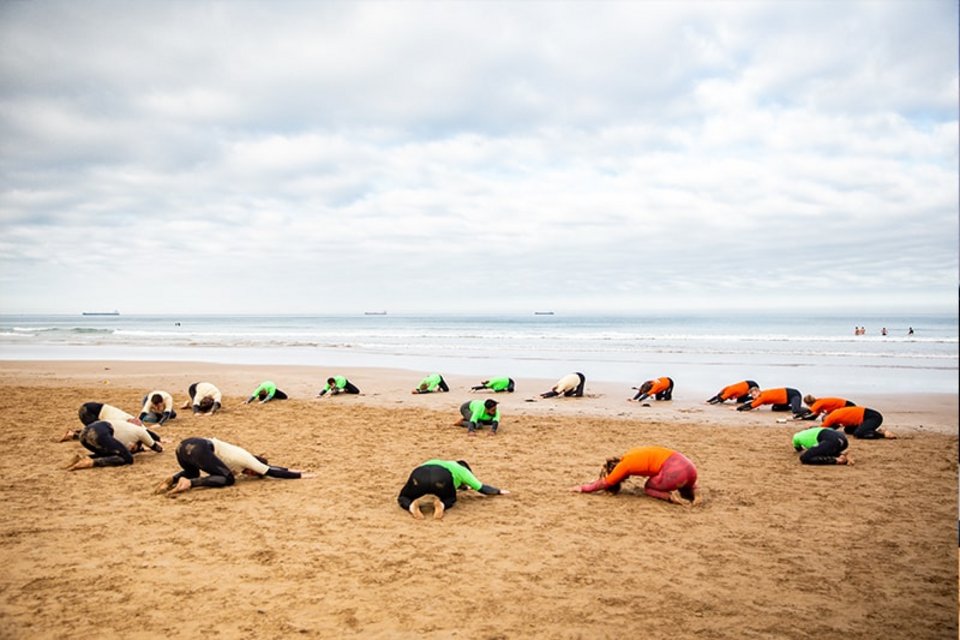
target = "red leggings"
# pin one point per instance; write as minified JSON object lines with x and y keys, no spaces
{"x":676,"y":473}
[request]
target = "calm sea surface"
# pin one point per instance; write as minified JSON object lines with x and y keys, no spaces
{"x":816,"y":353}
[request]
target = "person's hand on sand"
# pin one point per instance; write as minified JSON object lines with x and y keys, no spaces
{"x":576,"y":489}
{"x":845,"y":459}
{"x":491,"y":433}
{"x":305,"y":475}
{"x":504,"y":492}
{"x":471,"y":433}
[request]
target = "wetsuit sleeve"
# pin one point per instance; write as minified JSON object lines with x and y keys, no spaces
{"x":620,"y":473}
{"x":163,"y":418}
{"x":488,"y":490}
{"x":282,"y":472}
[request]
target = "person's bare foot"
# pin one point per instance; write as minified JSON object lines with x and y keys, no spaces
{"x":676,"y":499}
{"x":415,"y":510}
{"x":844,"y":459}
{"x":697,"y":499}
{"x":69,"y":435}
{"x":164,"y":486}
{"x":80,"y":462}
{"x":437,"y":509}
{"x":183,"y":484}
{"x":73,"y":460}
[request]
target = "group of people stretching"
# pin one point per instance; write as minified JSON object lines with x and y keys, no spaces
{"x":112,"y":436}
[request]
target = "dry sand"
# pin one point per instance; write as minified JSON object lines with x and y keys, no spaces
{"x":778,"y":550}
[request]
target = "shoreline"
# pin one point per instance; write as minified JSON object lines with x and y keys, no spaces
{"x":907,"y":413}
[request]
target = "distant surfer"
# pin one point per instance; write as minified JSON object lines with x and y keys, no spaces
{"x":440,"y":479}
{"x":570,"y":385}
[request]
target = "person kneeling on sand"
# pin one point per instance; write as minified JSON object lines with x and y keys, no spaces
{"x":112,"y":444}
{"x":157,"y":408}
{"x":440,"y":480}
{"x":782,"y":399}
{"x":478,"y":413}
{"x":497,"y":385}
{"x":91,"y":412}
{"x":221,"y":460}
{"x":337,"y":385}
{"x":671,"y":476}
{"x":821,"y":446}
{"x":569,"y":385}
{"x":817,"y":407}
{"x":205,"y":398}
{"x":859,"y":422}
{"x":431,"y":383}
{"x":739,"y":391}
{"x":266,"y":392}
{"x":660,"y":389}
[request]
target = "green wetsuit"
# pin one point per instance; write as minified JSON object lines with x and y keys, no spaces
{"x":267,"y":386}
{"x":497,"y":384}
{"x":461,"y":475}
{"x":806,"y":439}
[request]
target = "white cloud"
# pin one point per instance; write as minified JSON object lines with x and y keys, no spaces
{"x":308,"y":157}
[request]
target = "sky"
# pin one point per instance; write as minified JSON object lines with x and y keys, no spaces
{"x":338,"y":157}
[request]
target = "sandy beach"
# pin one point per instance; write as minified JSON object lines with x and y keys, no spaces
{"x":777,"y":550}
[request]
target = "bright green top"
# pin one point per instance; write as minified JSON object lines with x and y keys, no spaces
{"x":461,"y":475}
{"x":806,"y":439}
{"x":267,"y":386}
{"x":432,"y":381}
{"x":338,"y":381}
{"x":497,"y":384}
{"x":479,"y":412}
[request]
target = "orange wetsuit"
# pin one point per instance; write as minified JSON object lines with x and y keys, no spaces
{"x":739,"y":391}
{"x":828,"y":405}
{"x":783,"y":399}
{"x":860,"y":421}
{"x":659,"y":388}
{"x":668,"y":470}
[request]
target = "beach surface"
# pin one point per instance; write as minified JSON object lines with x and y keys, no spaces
{"x":777,"y":550}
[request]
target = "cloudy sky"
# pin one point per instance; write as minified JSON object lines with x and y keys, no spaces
{"x":308,"y":157}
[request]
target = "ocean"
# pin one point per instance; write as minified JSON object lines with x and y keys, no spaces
{"x":818,"y":354}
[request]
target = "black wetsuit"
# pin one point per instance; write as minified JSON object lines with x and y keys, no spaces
{"x":830,"y":445}
{"x":197,"y":454}
{"x":107,"y":451}
{"x":430,"y":479}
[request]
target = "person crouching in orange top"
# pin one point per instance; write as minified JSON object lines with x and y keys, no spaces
{"x":861,"y":422}
{"x":660,"y":389}
{"x":739,"y":390}
{"x":823,"y":406}
{"x":783,"y":399}
{"x":671,"y":476}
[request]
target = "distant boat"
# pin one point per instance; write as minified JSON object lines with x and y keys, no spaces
{"x":543,"y":313}
{"x":374,"y":313}
{"x":101,"y":313}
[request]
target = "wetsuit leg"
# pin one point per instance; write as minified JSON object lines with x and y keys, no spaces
{"x":192,"y":391}
{"x":428,"y":480}
{"x":795,"y":400}
{"x":677,"y":472}
{"x":510,"y":385}
{"x":195,"y":455}
{"x":714,"y":400}
{"x":466,"y":414}
{"x":279,"y":395}
{"x":666,"y":394}
{"x":350,"y":388}
{"x":107,"y":450}
{"x":443,"y":385}
{"x":868,"y":428}
{"x":578,"y":392}
{"x":830,"y":444}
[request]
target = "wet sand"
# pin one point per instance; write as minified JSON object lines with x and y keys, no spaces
{"x":778,"y":550}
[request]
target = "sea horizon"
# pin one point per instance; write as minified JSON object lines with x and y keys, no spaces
{"x":813,"y":352}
